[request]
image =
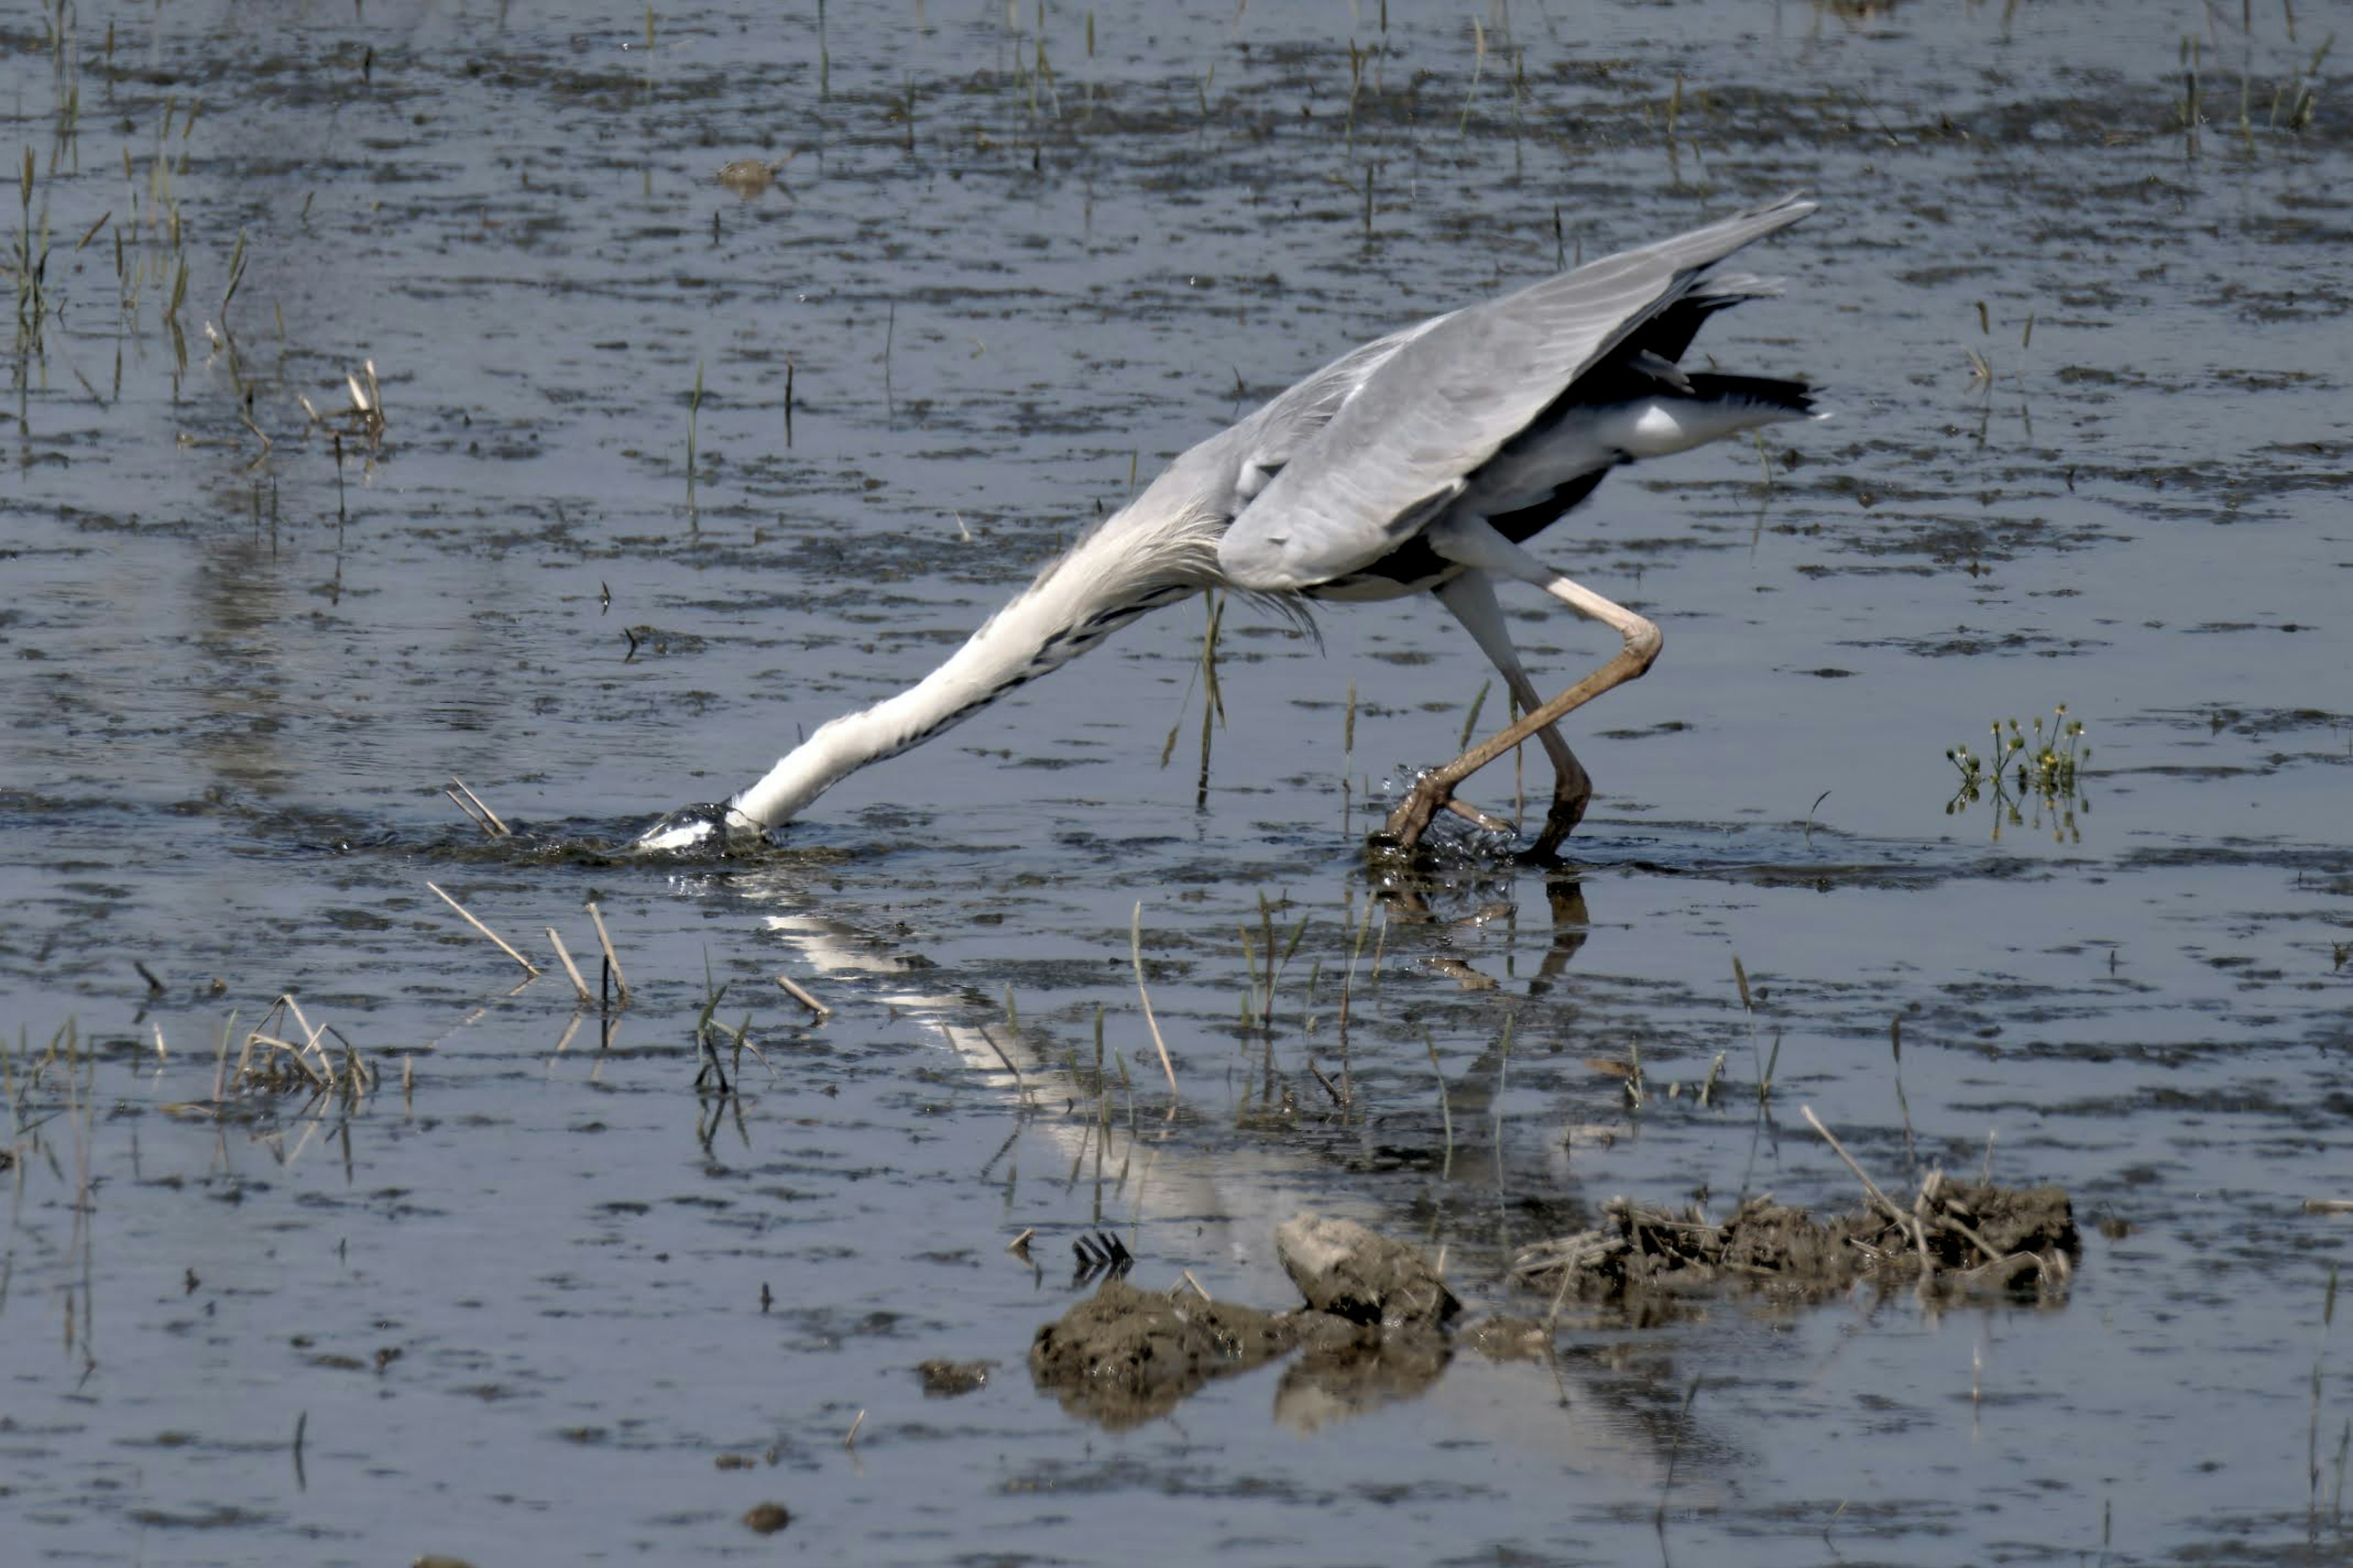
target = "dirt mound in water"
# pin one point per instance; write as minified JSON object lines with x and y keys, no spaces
{"x":1958,"y":1238}
{"x":1125,"y":1355}
{"x":1376,"y":1327}
{"x":1373,"y":1331}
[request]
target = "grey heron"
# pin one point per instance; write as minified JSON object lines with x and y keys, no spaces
{"x":1423,"y":461}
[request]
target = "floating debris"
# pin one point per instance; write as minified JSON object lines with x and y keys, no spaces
{"x":748,"y":177}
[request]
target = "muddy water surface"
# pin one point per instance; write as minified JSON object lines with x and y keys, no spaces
{"x":2078,"y":294}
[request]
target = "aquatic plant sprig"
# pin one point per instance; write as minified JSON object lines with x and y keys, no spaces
{"x":285,"y":1064}
{"x":30,"y":263}
{"x":2045,"y":767}
{"x":362,"y":419}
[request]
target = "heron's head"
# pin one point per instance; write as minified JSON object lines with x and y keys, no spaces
{"x":699,"y":830}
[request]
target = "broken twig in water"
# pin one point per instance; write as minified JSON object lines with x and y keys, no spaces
{"x":579,"y":986}
{"x":612,"y":959}
{"x":804,"y":998}
{"x":500,"y":942}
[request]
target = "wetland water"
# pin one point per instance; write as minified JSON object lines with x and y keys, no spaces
{"x":532,"y":1298}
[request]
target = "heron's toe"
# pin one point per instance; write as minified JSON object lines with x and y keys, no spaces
{"x":1412,"y":819}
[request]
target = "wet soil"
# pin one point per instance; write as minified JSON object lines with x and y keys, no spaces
{"x":1123,"y":1356}
{"x":1955,"y":1240}
{"x":1371,"y":1332}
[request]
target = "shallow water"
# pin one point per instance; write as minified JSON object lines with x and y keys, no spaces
{"x":537,"y":1302}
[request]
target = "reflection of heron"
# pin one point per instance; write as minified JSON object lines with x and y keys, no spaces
{"x":1420,"y":461}
{"x":1179,"y":1195}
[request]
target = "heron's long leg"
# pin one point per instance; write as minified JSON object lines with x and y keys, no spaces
{"x":1473,"y":543}
{"x":1472,"y":597}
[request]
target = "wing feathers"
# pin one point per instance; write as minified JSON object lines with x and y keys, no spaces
{"x":1419,"y":411}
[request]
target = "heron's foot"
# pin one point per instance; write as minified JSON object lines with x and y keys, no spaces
{"x":700,"y":830}
{"x":1567,"y":810}
{"x":1478,"y":818}
{"x":1410,"y":820}
{"x":1429,"y":797}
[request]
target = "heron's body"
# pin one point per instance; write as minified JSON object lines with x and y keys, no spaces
{"x":1420,"y":462}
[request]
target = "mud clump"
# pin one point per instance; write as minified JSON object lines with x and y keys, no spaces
{"x":767,"y":1518}
{"x":1372,"y":1331}
{"x":1345,"y":1269}
{"x":1124,"y":1355}
{"x":1957,"y":1239}
{"x":943,"y":1379}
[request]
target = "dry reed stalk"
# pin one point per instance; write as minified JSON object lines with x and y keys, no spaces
{"x":480,"y":809}
{"x":220,"y":1059}
{"x":579,"y":986}
{"x":604,"y":940}
{"x":1020,"y":1083}
{"x":1926,"y":1209}
{"x":259,"y":1035}
{"x":300,"y":1061}
{"x":1884,"y":1204}
{"x":471,"y":815}
{"x":1135,"y":950}
{"x":498,"y":940}
{"x":310,"y":1035}
{"x":1338,"y":1098}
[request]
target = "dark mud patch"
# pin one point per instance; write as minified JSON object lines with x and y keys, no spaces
{"x":1372,"y":1331}
{"x":943,"y":1379}
{"x":1123,"y":1356}
{"x":1960,"y":1241}
{"x":767,"y":1518}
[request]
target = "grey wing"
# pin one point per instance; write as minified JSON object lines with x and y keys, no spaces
{"x":1404,"y":443}
{"x":1223,"y":474}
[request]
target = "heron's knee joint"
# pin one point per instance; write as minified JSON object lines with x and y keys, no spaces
{"x":1643,"y":640}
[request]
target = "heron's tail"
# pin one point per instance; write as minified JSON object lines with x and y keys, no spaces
{"x":1763,"y":395}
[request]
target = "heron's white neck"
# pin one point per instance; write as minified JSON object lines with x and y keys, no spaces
{"x":1132,"y":562}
